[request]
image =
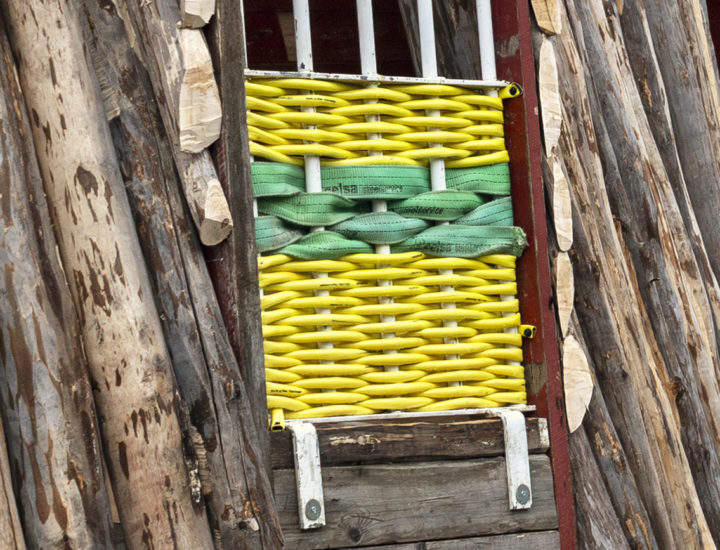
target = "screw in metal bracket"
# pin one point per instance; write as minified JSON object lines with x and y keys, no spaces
{"x":312,"y":509}
{"x":522,"y":494}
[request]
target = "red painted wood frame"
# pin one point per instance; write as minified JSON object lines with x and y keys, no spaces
{"x":233,"y":262}
{"x":515,"y":62}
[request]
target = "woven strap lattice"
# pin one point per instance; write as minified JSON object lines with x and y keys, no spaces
{"x":298,"y":371}
{"x":349,"y":331}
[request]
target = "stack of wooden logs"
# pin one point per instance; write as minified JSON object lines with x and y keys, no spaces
{"x":127,"y":419}
{"x":631,"y":122}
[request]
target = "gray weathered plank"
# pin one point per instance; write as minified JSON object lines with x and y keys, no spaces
{"x":520,"y":541}
{"x":409,"y":439}
{"x":389,"y":503}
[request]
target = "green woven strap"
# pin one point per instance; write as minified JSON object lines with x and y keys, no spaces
{"x":272,"y":233}
{"x":466,"y":241}
{"x":276,"y":179}
{"x":447,"y":205}
{"x":311,"y":209}
{"x":375,"y":181}
{"x":380,"y":227}
{"x":497,"y":212}
{"x":325,"y":245}
{"x":493,"y":179}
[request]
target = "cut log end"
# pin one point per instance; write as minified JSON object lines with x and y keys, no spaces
{"x":200,"y":112}
{"x":548,"y":16}
{"x":578,"y":382}
{"x":196,"y":13}
{"x":217,"y":222}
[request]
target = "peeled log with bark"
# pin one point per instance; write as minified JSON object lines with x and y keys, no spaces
{"x":129,"y":362}
{"x":235,"y":486}
{"x":11,"y":535}
{"x":180,"y":70}
{"x":56,"y":462}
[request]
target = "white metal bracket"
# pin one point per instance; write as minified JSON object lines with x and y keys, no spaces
{"x":516,"y":458}
{"x":308,"y":474}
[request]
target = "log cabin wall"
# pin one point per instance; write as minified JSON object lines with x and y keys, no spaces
{"x":628,"y":97}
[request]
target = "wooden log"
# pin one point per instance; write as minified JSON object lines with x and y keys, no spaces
{"x":45,"y":393}
{"x":577,"y":381}
{"x":619,"y":483}
{"x":606,"y":286}
{"x":387,"y":503}
{"x":235,"y":486}
{"x":196,"y":13}
{"x":564,"y":291}
{"x":233,"y":264}
{"x":522,"y":541}
{"x":182,"y":78}
{"x":598,"y":524}
{"x":549,"y":96}
{"x":548,"y":15}
{"x":448,"y":437}
{"x":661,"y":251}
{"x":561,"y":206}
{"x":135,"y":392}
{"x":11,"y":534}
{"x":199,"y":110}
{"x":691,"y":99}
{"x":657,"y":108}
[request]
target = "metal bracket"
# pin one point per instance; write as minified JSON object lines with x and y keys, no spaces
{"x":308,"y":474}
{"x":516,"y":458}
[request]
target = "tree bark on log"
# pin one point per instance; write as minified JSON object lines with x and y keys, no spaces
{"x":661,"y":251}
{"x":56,"y":464}
{"x":237,"y":488}
{"x":598,"y":527}
{"x":129,"y":362}
{"x":233,"y":264}
{"x":646,"y":297}
{"x":11,"y":534}
{"x":165,"y":49}
{"x":689,"y":99}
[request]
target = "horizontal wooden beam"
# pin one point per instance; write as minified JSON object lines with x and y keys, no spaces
{"x":394,"y":503}
{"x":409,"y":440}
{"x":519,"y":541}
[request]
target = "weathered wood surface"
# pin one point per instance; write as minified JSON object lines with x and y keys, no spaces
{"x":155,"y":26}
{"x":233,"y":264}
{"x":235,"y":485}
{"x":408,"y":440}
{"x":690,"y":101}
{"x":646,"y":297}
{"x":661,"y":251}
{"x":129,"y":363}
{"x":56,"y":462}
{"x":598,"y":525}
{"x":549,"y":540}
{"x":11,"y":533}
{"x":387,"y":503}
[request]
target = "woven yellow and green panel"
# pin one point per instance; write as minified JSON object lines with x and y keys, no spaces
{"x":429,"y":324}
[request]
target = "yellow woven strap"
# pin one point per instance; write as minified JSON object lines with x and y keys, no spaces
{"x":305,"y":379}
{"x":468,"y":131}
